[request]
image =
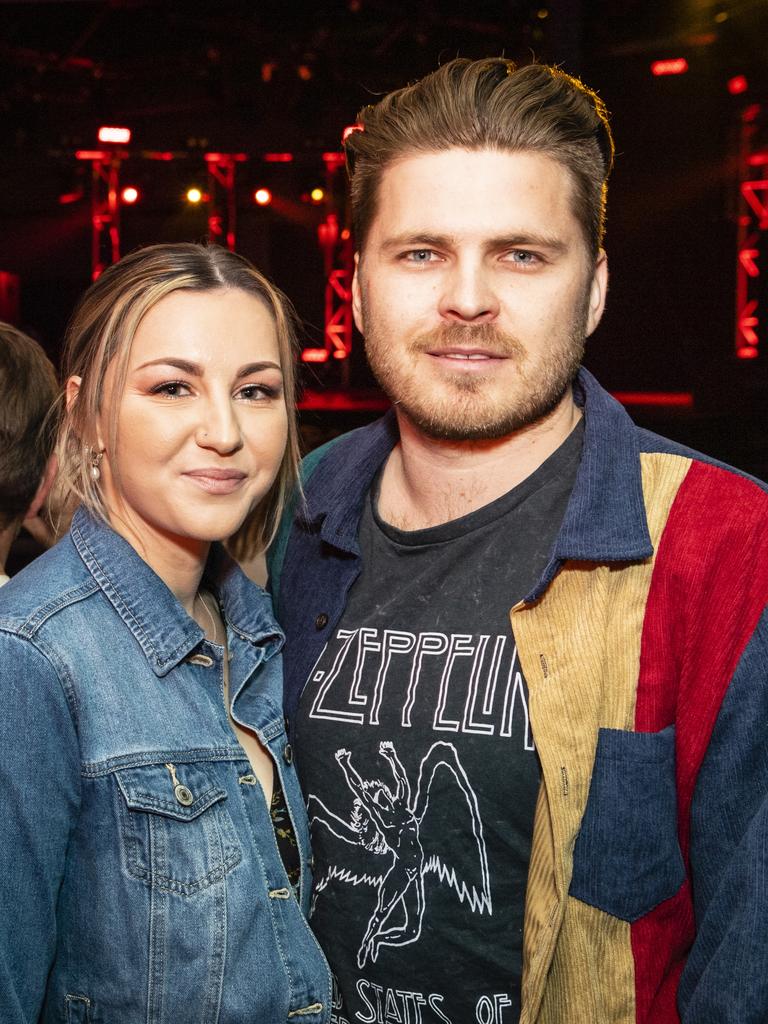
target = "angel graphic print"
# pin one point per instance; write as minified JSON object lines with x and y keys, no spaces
{"x":387,"y":818}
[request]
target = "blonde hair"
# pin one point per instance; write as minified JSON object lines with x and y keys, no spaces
{"x":102,"y":330}
{"x":487,"y":104}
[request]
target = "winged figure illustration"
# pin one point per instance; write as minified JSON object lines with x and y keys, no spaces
{"x":395,"y":822}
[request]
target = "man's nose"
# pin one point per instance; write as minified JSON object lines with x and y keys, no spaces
{"x":468,"y":293}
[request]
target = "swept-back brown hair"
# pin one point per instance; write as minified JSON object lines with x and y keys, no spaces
{"x":102,"y":330}
{"x":27,"y":393}
{"x":487,"y":104}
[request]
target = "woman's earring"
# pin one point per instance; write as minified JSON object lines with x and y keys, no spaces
{"x":95,"y":459}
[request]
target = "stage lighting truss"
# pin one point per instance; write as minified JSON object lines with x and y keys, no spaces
{"x":752,"y":234}
{"x":220,"y":198}
{"x":222,"y":202}
{"x":105,"y":206}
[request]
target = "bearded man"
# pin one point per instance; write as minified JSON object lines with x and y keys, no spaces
{"x":526,"y":641}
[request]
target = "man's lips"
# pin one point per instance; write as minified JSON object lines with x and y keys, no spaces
{"x":464,"y":353}
{"x":216,"y":481}
{"x":474,"y":358}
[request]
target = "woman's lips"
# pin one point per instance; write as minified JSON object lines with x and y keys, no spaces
{"x":216,"y":481}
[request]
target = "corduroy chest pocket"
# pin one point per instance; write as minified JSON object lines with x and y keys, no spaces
{"x":627,"y":858}
{"x":176,"y":832}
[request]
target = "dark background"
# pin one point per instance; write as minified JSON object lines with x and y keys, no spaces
{"x":256,"y":77}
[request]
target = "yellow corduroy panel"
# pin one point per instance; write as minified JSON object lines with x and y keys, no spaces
{"x":579,"y":647}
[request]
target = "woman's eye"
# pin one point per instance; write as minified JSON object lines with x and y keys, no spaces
{"x":256,"y":392}
{"x":171,"y":389}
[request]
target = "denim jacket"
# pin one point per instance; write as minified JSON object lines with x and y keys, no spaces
{"x":141,"y":880}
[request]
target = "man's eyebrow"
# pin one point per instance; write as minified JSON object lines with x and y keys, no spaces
{"x":523,"y":239}
{"x":195,"y":370}
{"x":528,"y":240}
{"x":418,"y":241}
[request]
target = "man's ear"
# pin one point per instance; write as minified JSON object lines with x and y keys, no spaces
{"x":357,"y":297}
{"x":44,"y":487}
{"x":597,"y":292}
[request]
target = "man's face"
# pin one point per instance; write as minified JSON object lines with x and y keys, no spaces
{"x":475,"y":291}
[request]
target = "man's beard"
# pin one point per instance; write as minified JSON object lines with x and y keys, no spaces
{"x":459,"y":410}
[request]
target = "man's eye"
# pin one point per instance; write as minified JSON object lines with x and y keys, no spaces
{"x":523,"y":258}
{"x":419,"y":256}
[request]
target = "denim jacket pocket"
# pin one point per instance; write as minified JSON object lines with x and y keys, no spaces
{"x":176,"y":832}
{"x":78,"y":1009}
{"x":627,"y":858}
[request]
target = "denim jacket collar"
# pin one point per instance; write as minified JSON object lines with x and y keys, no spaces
{"x":162,"y":628}
{"x":605,"y":520}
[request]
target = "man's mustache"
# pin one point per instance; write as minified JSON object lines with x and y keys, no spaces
{"x":486,"y":336}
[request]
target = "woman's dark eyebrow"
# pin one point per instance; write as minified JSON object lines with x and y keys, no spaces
{"x":195,"y":370}
{"x":266,"y":364}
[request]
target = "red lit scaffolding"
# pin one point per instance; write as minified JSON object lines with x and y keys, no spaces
{"x":105,"y":206}
{"x":752,"y":235}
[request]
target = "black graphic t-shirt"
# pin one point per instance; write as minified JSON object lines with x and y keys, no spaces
{"x":415,"y":751}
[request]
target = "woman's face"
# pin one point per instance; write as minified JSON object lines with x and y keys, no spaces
{"x":202,"y":423}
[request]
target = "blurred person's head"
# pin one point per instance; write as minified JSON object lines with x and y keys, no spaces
{"x":27,"y":431}
{"x":180,"y":423}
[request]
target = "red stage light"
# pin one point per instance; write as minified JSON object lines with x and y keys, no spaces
{"x":314,"y":355}
{"x":118,"y":135}
{"x":746,"y":353}
{"x":130,"y":195}
{"x":333,"y":160}
{"x":278,"y":158}
{"x":737,"y":84}
{"x":679,"y":399}
{"x":673,"y":66}
{"x":262,"y":197}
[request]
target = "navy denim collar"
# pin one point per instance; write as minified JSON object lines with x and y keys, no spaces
{"x":164,"y":631}
{"x":605,"y":520}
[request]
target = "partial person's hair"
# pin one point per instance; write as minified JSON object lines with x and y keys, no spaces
{"x":487,"y":104}
{"x":102,"y":330}
{"x":28,"y":389}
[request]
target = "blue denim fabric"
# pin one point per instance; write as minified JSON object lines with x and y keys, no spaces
{"x":124,"y":899}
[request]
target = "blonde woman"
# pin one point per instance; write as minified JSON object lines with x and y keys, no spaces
{"x":153,"y":841}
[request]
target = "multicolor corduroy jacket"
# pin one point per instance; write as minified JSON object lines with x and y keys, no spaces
{"x":645,"y":649}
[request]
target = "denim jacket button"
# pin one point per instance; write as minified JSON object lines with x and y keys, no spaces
{"x":321,"y":621}
{"x":288,"y":753}
{"x":183,"y":795}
